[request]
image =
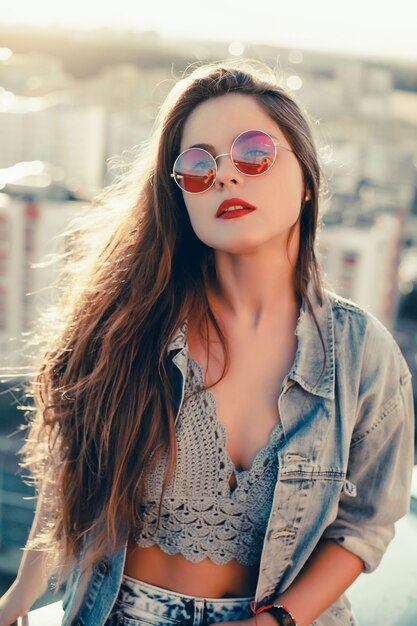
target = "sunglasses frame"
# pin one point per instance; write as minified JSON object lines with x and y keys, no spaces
{"x":276,"y":143}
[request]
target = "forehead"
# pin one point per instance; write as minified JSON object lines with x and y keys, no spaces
{"x":219,"y":120}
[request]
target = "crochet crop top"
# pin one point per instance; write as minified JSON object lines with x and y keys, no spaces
{"x":202,"y":515}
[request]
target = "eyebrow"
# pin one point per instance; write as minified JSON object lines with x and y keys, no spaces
{"x":208,"y":147}
{"x":205,"y":146}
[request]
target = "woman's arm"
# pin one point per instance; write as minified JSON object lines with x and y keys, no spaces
{"x":380,"y":467}
{"x":32,"y":578}
{"x":33,"y":574}
{"x":329,"y":571}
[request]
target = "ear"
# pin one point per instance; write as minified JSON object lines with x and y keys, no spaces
{"x":308,"y":195}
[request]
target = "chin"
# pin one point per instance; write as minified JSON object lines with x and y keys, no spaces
{"x":235,"y":243}
{"x":238,"y":247}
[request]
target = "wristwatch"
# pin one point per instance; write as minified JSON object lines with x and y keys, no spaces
{"x":282,"y":615}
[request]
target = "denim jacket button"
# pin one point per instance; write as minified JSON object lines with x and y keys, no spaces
{"x":104,"y":567}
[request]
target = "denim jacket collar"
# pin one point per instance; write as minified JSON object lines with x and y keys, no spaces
{"x":309,"y":358}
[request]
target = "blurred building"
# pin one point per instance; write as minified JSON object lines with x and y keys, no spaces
{"x":33,"y":74}
{"x":126,"y":131}
{"x":367,"y":132}
{"x":29,"y":230}
{"x":361,"y":262}
{"x":70,"y":136}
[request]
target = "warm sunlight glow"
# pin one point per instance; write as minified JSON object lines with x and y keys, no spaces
{"x":383,"y":30}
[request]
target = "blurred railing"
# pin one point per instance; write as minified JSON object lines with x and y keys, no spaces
{"x":49,"y":615}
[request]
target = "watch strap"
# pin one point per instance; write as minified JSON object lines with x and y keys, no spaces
{"x":281,"y":614}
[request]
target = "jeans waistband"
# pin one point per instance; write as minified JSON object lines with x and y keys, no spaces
{"x":135,"y":583}
{"x":138,"y":599}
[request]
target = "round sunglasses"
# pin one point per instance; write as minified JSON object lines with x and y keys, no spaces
{"x":253,"y":153}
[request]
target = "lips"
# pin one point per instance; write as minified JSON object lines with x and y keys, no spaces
{"x":234,"y":202}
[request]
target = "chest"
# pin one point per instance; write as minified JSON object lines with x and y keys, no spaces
{"x":246,"y":399}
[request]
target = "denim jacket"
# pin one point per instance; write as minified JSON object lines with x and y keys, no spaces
{"x":345,"y":461}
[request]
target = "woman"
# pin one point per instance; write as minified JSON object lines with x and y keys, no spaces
{"x":228,"y":440}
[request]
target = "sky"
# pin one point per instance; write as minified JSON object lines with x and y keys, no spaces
{"x":362,"y":27}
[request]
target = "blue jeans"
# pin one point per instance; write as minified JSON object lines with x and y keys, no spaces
{"x":141,"y":604}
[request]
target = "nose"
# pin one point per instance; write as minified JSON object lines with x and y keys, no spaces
{"x":226,"y":172}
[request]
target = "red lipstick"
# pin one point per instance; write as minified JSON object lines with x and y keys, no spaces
{"x":223,"y":211}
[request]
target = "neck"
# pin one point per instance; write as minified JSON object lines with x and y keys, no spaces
{"x":255,"y":288}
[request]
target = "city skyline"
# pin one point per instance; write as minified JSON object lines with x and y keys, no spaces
{"x":322,"y":25}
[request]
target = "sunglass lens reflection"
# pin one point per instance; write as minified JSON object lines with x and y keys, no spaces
{"x":195,"y":170}
{"x":253,"y":153}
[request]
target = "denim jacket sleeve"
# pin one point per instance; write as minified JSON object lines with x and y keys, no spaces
{"x":381,"y":452}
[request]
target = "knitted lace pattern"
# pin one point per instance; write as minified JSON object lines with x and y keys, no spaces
{"x":202,"y":515}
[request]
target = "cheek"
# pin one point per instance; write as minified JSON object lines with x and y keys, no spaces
{"x":196,"y":212}
{"x":284,"y":196}
{"x":292,"y":189}
{"x":190,"y":206}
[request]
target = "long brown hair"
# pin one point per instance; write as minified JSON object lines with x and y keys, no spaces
{"x":134,"y":271}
